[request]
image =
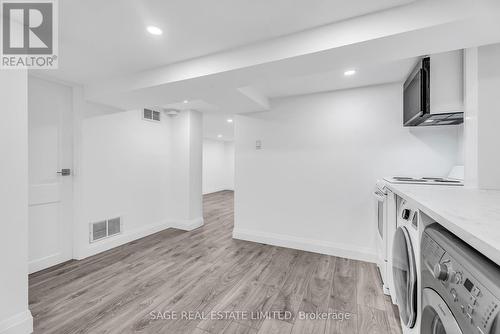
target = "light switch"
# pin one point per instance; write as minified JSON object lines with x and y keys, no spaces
{"x":258,"y":145}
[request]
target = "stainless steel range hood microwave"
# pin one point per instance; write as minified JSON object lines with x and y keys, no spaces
{"x":433,"y":92}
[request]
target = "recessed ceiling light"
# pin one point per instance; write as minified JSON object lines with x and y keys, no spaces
{"x":348,"y":73}
{"x":219,"y":136}
{"x":230,"y":120}
{"x":154,"y":30}
{"x":185,"y":101}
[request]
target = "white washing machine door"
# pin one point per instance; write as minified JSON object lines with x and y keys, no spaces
{"x":404,"y":273}
{"x":436,"y":315}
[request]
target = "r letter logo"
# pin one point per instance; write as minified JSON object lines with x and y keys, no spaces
{"x":29,"y":34}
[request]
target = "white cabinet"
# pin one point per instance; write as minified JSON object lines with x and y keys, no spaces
{"x":447,"y":82}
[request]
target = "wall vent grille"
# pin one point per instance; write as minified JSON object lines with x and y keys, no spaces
{"x":105,"y":229}
{"x":114,"y":226}
{"x":99,"y":230}
{"x":151,"y":115}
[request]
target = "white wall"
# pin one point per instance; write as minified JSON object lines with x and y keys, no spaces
{"x":14,"y":314}
{"x":95,"y":109}
{"x":125,"y":172}
{"x":229,"y":150}
{"x":195,"y":168}
{"x":145,"y":172}
{"x":218,"y":166}
{"x":470,"y":135}
{"x":186,"y":168}
{"x":481,"y":136}
{"x":488,"y":135}
{"x":311,"y":185}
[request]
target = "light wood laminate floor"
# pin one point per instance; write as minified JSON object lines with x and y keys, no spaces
{"x":132,"y":288}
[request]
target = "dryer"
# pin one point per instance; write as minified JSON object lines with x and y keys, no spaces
{"x":406,"y":266}
{"x":460,"y":287}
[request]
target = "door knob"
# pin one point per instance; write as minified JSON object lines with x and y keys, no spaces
{"x":65,"y":172}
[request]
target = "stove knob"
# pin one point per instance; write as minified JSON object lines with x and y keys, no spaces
{"x":405,"y":214}
{"x":440,"y":271}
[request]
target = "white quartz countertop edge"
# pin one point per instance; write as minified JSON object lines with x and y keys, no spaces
{"x":471,"y":214}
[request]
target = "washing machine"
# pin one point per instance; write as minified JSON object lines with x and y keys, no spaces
{"x":460,"y":287}
{"x":406,"y":266}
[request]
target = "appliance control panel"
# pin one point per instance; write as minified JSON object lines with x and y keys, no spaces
{"x":470,"y":300}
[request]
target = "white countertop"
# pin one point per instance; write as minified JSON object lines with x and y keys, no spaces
{"x":471,"y":214}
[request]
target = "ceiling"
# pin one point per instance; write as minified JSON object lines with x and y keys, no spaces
{"x":369,"y":74}
{"x":99,"y":39}
{"x":235,"y":56}
{"x":381,"y":45}
{"x":217,"y":124}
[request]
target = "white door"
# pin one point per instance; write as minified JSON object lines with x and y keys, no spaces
{"x":50,"y":193}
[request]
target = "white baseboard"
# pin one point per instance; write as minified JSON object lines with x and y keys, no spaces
{"x":118,"y":240}
{"x":187,"y":225}
{"x":131,"y":235}
{"x":45,"y":262}
{"x":213,"y":191}
{"x":310,"y":245}
{"x":21,"y":323}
